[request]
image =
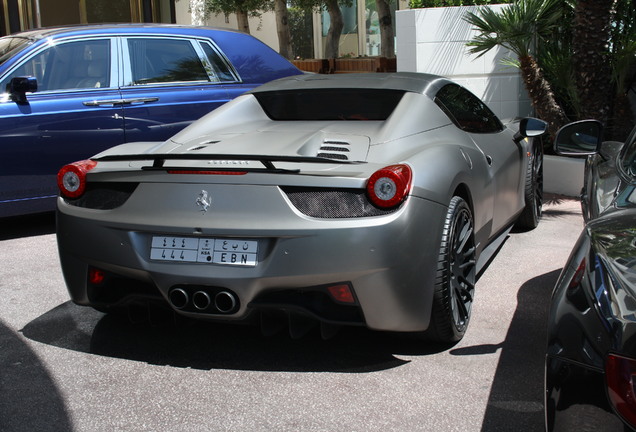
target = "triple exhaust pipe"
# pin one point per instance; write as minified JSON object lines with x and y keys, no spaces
{"x":203,"y":300}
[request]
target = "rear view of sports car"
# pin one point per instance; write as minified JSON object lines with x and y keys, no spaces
{"x":368,"y":200}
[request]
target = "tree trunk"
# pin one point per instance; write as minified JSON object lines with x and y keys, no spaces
{"x":622,"y":119}
{"x":590,"y":57}
{"x":335,"y":29}
{"x":387,"y":35}
{"x":282,"y":28}
{"x":541,"y":95}
{"x":242,"y":21}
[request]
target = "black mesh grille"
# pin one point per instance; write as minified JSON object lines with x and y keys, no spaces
{"x":333,"y":203}
{"x":331,"y":148}
{"x":333,"y":156}
{"x":104,"y":196}
{"x":334,"y":150}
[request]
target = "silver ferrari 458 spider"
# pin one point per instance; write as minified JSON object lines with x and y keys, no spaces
{"x":365,"y":199}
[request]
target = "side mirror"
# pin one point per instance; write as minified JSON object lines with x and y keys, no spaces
{"x":530,"y":127}
{"x":19,"y":86}
{"x":582,"y":138}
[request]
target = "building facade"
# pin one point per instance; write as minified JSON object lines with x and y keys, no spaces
{"x":360,"y":36}
{"x":20,"y":15}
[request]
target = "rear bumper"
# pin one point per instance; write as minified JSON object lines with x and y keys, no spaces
{"x":388,"y":261}
{"x":576,"y":398}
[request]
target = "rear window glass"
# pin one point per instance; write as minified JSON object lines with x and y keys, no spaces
{"x":329,"y":104}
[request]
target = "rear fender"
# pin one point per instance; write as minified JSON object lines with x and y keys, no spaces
{"x":449,"y":169}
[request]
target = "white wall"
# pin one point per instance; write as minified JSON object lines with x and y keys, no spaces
{"x":434,"y":41}
{"x":191,"y":12}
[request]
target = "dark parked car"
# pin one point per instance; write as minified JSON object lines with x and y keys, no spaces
{"x":591,"y":353}
{"x":368,"y":200}
{"x":72,"y":92}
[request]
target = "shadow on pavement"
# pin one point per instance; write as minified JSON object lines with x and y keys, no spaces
{"x":516,"y":395}
{"x":553,"y":213}
{"x":201,"y":345}
{"x":29,"y":399}
{"x":27,"y":226}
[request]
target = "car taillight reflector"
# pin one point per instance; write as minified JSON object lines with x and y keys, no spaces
{"x":389,"y":186}
{"x":341,"y":293}
{"x":71,"y":179}
{"x":96,"y":276}
{"x":578,"y":275}
{"x":619,"y":375}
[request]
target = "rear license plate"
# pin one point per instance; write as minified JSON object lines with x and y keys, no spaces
{"x":235,"y":252}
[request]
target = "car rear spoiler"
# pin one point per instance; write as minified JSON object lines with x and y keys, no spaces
{"x":230,"y":161}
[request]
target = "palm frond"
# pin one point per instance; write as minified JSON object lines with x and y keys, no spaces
{"x":516,"y":26}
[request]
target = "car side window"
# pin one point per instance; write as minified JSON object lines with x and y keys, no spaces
{"x":218,"y":67}
{"x":159,"y":60}
{"x":68,"y":66}
{"x":628,"y":158}
{"x":466,"y":110}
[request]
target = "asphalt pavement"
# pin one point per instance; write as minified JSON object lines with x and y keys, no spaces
{"x":70,"y":368}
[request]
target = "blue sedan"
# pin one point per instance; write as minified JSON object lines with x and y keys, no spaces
{"x":72,"y":92}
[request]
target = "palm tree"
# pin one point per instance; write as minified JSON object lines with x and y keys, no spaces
{"x":623,"y":62}
{"x":590,"y":56}
{"x":518,"y":27}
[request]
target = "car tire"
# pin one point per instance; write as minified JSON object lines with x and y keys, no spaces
{"x":456,"y":275}
{"x":533,"y":193}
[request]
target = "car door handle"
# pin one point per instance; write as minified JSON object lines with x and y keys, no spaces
{"x":110,"y":102}
{"x":139,"y":101}
{"x":113,"y":102}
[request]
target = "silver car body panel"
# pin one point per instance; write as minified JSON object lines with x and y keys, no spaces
{"x":389,"y":260}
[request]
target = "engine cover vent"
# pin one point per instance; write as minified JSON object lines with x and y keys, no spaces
{"x":334,"y":149}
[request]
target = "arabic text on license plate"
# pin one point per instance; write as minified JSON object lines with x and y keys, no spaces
{"x":205,"y":250}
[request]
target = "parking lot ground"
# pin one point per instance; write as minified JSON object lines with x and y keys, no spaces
{"x":69,"y":368}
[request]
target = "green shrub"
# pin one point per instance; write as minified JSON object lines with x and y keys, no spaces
{"x":415,"y":4}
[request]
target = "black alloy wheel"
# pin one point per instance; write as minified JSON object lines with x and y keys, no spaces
{"x":456,"y":275}
{"x":533,"y":193}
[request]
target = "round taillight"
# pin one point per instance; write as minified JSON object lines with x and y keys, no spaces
{"x":389,"y":186}
{"x":71,"y":179}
